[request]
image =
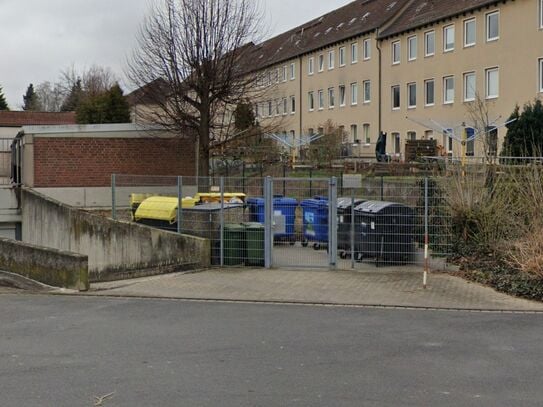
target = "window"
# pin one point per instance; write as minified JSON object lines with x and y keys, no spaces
{"x":367,"y":49}
{"x":429,"y":43}
{"x":429,"y":94}
{"x":366,"y":133}
{"x":469,"y":87}
{"x":270,"y":108}
{"x":540,"y":13}
{"x":292,"y":134}
{"x":354,"y":53}
{"x":342,"y":56}
{"x":492,"y":140}
{"x":469,"y":33}
{"x":541,"y":74}
{"x":292,"y":71}
{"x":284,"y":73}
{"x":257,"y":110}
{"x":321,"y":62}
{"x":354,"y":133}
{"x":321,"y":99}
{"x":411,"y":95}
{"x":292,"y":104}
{"x":342,"y":95}
{"x":310,"y":66}
{"x":412,"y":48}
{"x":277,"y":107}
{"x":331,"y":59}
{"x":367,"y":91}
{"x":285,"y":106}
{"x":397,"y":143}
{"x":277,"y":75}
{"x":412,"y":135}
{"x":448,"y":140}
{"x":331,"y":98}
{"x":492,"y":83}
{"x":310,"y":131}
{"x":311,"y":101}
{"x":448,"y":38}
{"x":493,"y":26}
{"x":396,"y":52}
{"x":470,"y":142}
{"x":395,"y":97}
{"x":354,"y":93}
{"x":429,"y":135}
{"x":448,"y":89}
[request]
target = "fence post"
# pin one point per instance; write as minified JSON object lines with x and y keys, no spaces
{"x":310,"y":181}
{"x":332,"y":222}
{"x":268,"y":220}
{"x":179,"y":204}
{"x":426,"y":240}
{"x":113,"y":198}
{"x":222,"y":222}
{"x":352,"y":230}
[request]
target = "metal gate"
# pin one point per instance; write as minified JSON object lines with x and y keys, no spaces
{"x":300,"y":226}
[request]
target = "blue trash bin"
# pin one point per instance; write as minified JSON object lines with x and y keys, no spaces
{"x":284,"y":216}
{"x":315,"y":222}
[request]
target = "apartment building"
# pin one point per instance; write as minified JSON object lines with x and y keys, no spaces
{"x":410,"y":69}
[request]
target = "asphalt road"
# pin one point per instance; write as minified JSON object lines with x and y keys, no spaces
{"x":65,"y":351}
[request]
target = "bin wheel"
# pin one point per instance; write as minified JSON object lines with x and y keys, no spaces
{"x":343,"y":255}
{"x":316,"y":246}
{"x":305,"y":243}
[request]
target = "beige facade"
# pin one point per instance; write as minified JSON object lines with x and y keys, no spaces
{"x":494,"y":52}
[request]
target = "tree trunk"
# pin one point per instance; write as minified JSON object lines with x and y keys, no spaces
{"x":203,"y":132}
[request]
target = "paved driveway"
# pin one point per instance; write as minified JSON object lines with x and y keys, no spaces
{"x":381,"y":287}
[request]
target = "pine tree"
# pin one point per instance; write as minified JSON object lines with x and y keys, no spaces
{"x":108,"y":107}
{"x":74,"y":98}
{"x":3,"y":102}
{"x":525,"y":135}
{"x":30,"y":99}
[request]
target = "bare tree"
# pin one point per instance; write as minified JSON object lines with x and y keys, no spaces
{"x":193,"y":65}
{"x":95,"y":80}
{"x":50,"y":96}
{"x":478,"y":113}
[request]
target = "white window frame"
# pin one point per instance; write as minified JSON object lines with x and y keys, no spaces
{"x":540,"y":71}
{"x":331,"y":59}
{"x":342,"y":98}
{"x":541,"y":14}
{"x":410,"y":47}
{"x":367,"y":49}
{"x":487,"y":83}
{"x":366,"y":85}
{"x":445,"y":80}
{"x":292,"y":71}
{"x":285,"y":106}
{"x":445,"y":30}
{"x":285,"y":73}
{"x":331,"y":98}
{"x":342,"y":56}
{"x":354,"y":132}
{"x":392,"y":89}
{"x":426,"y":92}
{"x":396,"y":52}
{"x":426,"y":42}
{"x":354,"y":93}
{"x":487,"y":28}
{"x":320,"y":98}
{"x":366,"y":133}
{"x":466,"y":22}
{"x":321,"y":62}
{"x":293,"y":104}
{"x":354,"y":52}
{"x":409,"y":90}
{"x":466,"y":76}
{"x":311,"y":100}
{"x":311,"y":66}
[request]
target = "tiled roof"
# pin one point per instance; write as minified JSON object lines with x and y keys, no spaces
{"x":423,"y":12}
{"x":149,"y":93}
{"x":356,"y":18}
{"x":27,"y":118}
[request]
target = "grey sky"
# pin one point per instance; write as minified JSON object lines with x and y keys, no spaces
{"x":39,"y":38}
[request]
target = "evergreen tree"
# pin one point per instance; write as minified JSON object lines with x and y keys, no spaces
{"x":30,"y":99}
{"x":3,"y":102}
{"x":74,"y":98}
{"x":525,"y":135}
{"x":244,"y":117}
{"x":109,"y":107}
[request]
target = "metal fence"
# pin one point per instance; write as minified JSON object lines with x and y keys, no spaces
{"x":295,"y":222}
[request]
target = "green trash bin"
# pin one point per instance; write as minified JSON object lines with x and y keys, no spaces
{"x":254,"y":244}
{"x":234,"y":244}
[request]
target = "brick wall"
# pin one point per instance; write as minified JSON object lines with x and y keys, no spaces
{"x":75,"y":162}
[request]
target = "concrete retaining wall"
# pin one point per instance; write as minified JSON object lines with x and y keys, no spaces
{"x":115,"y":249}
{"x":49,"y":266}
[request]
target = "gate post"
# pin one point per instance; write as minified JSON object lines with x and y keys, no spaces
{"x":268,"y":222}
{"x":332,"y":222}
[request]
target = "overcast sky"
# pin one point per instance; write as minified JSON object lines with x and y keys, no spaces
{"x":39,"y":38}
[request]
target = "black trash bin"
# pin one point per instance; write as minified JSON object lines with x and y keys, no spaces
{"x":344,"y":224}
{"x":385,"y":232}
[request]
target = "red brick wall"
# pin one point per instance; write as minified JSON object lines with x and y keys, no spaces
{"x":78,"y":162}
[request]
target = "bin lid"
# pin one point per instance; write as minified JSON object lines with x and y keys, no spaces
{"x":345,"y":202}
{"x":285,"y":201}
{"x":217,"y":195}
{"x":236,"y":227}
{"x":213,"y":207}
{"x":314,"y":203}
{"x":378,"y":206}
{"x":253,"y":225}
{"x":255,"y":201}
{"x":161,"y":208}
